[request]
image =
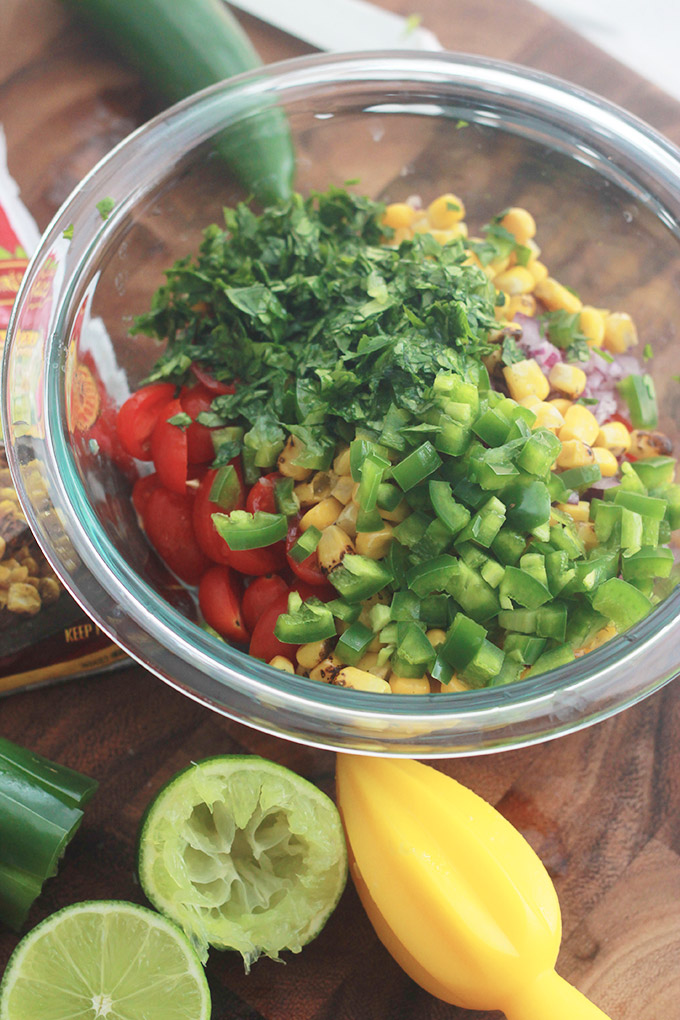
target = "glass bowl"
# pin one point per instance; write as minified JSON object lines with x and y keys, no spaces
{"x":605,"y":191}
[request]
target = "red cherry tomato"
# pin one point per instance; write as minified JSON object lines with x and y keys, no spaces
{"x":137,"y":418}
{"x":255,"y":562}
{"x":325,"y":592}
{"x":259,"y":595}
{"x":218,"y":597}
{"x":210,"y":382}
{"x":141,"y":491}
{"x":309,"y":570}
{"x":262,"y":496}
{"x":194,"y":401}
{"x":212,"y":544}
{"x":169,"y":449}
{"x":263,"y":643}
{"x":167,"y":522}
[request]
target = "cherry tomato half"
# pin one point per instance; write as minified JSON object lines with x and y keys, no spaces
{"x":138,"y":416}
{"x":169,"y":449}
{"x":167,"y":522}
{"x":255,"y":562}
{"x":212,"y":544}
{"x":141,"y":491}
{"x":309,"y":570}
{"x":218,"y":597}
{"x":263,"y":644}
{"x":325,"y":592}
{"x":259,"y":595}
{"x":194,"y":401}
{"x":262,"y":496}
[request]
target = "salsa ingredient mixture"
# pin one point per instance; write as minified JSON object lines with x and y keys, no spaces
{"x":397,"y":458}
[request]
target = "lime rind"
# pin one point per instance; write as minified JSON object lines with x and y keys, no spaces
{"x":105,"y":958}
{"x":243,"y":854}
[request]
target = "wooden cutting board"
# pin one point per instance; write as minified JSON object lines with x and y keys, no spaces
{"x":601,"y":807}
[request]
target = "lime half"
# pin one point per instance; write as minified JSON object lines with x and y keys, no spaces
{"x":104,"y":961}
{"x":243,"y":854}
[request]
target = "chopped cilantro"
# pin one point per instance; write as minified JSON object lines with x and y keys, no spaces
{"x":499,"y":243}
{"x":181,"y":420}
{"x":647,"y":352}
{"x":511,"y":352}
{"x":105,"y":207}
{"x":68,"y":233}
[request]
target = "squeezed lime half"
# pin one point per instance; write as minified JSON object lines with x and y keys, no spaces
{"x":107,"y":960}
{"x":243,"y":854}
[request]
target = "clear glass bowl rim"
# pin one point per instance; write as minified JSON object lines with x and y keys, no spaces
{"x":620,"y":673}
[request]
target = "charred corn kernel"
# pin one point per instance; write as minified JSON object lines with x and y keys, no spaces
{"x":444,"y":212}
{"x":574,"y":453}
{"x":23,"y":598}
{"x":333,"y":546}
{"x":369,"y":663}
{"x":322,"y":515}
{"x":586,"y":532}
{"x":619,"y":332}
{"x":347,"y":518}
{"x":409,"y":685}
{"x":310,"y":655}
{"x":567,"y":379}
{"x":343,"y":489}
{"x":645,"y":443}
{"x":281,"y":662}
{"x":591,"y":324}
{"x":579,"y":423}
{"x":614,"y":436}
{"x":398,"y":214}
{"x":538,"y":270}
{"x":436,"y":636}
{"x":561,"y":403}
{"x":326,"y":670}
{"x":547,"y":417}
{"x":525,"y":378}
{"x":374,"y":544}
{"x":399,"y":514}
{"x":341,"y":462}
{"x":452,"y":234}
{"x":360,"y":680}
{"x":606,"y":461}
{"x":293,"y":448}
{"x":517,"y":280}
{"x":555,"y":295}
{"x":520,"y":223}
{"x":577,"y":511}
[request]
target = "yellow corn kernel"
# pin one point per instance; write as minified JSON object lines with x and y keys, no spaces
{"x":369,"y":663}
{"x":444,"y":212}
{"x":396,"y":516}
{"x":524,"y":304}
{"x":333,"y":546}
{"x":327,"y":670}
{"x":374,"y":544}
{"x":343,"y":489}
{"x":619,"y":333}
{"x":496,"y":266}
{"x":561,"y":403}
{"x":310,"y":655}
{"x":520,"y":223}
{"x":293,"y":448}
{"x":409,"y":685}
{"x":538,"y":270}
{"x":591,"y":324}
{"x":317,"y":488}
{"x":645,"y":443}
{"x":401,"y":234}
{"x":347,"y":519}
{"x":360,"y":680}
{"x":341,"y":462}
{"x":525,"y":378}
{"x":577,"y":511}
{"x":614,"y":436}
{"x":452,"y":234}
{"x":455,"y":685}
{"x":606,"y":461}
{"x":579,"y":423}
{"x":517,"y":280}
{"x":586,"y":532}
{"x":471,"y":259}
{"x":555,"y":295}
{"x":547,"y":417}
{"x":574,"y":453}
{"x":567,"y":379}
{"x":281,"y":662}
{"x":436,"y":636}
{"x":531,"y":401}
{"x":398,"y":214}
{"x":322,"y":515}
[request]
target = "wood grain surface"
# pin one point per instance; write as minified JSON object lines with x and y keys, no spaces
{"x":601,"y":807}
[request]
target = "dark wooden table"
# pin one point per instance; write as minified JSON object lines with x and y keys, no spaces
{"x":601,"y":807}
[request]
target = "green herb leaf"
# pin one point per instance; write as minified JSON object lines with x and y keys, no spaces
{"x":105,"y":207}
